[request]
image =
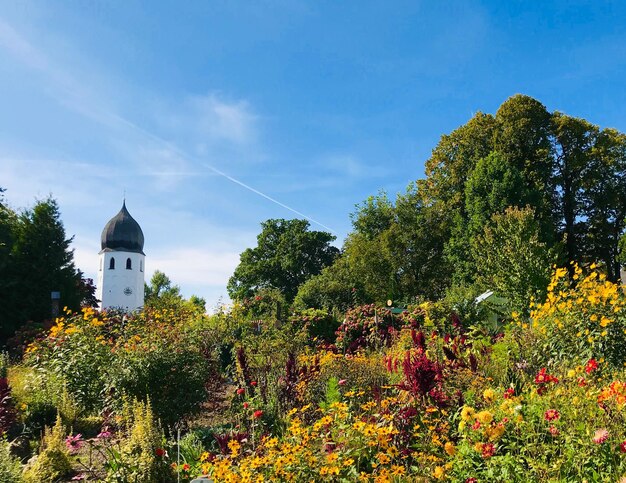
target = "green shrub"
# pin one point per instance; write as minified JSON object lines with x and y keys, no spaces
{"x":142,"y":454}
{"x":34,"y":395}
{"x":10,"y":467}
{"x":53,"y":460}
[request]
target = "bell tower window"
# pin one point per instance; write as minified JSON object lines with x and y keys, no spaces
{"x":129,"y":264}
{"x":112,"y":264}
{"x":141,"y":265}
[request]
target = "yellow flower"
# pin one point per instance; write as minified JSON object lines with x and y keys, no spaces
{"x":467,"y":413}
{"x":439,"y":472}
{"x":489,"y":394}
{"x":449,"y":448}
{"x":484,"y":417}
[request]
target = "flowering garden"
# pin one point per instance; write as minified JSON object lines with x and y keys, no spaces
{"x":429,"y":393}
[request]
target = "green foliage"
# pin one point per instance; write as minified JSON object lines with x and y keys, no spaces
{"x":170,"y":373}
{"x":161,"y":294}
{"x":373,"y":216}
{"x":336,"y":288}
{"x":319,"y":325}
{"x":141,"y":456}
{"x":510,"y":259}
{"x":268,"y":304}
{"x":582,"y":317}
{"x":332,"y":395}
{"x":53,"y":460}
{"x":34,"y":394}
{"x":36,"y":259}
{"x":99,"y":358}
{"x":10,"y":467}
{"x":286,"y":255}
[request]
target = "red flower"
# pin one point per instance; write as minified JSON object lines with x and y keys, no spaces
{"x":245,"y":405}
{"x":553,"y":431}
{"x":240,"y":391}
{"x":591,"y":366}
{"x":509,"y":393}
{"x":186,"y":467}
{"x":257,"y":414}
{"x":253,"y":383}
{"x":551,"y":415}
{"x":160,"y":452}
{"x":476,"y":425}
{"x":488,"y":450}
{"x":471,"y":480}
{"x":622,"y":447}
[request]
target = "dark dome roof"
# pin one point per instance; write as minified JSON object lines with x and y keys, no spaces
{"x":122,"y":233}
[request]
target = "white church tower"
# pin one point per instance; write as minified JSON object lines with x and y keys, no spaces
{"x":122,"y":263}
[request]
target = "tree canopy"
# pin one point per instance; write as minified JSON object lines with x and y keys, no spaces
{"x":35,"y":260}
{"x":286,"y":255}
{"x":564,"y":177}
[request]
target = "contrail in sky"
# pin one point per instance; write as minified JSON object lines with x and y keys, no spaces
{"x":184,"y":155}
{"x":74,"y":96}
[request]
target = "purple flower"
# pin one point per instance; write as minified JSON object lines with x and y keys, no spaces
{"x":74,"y":443}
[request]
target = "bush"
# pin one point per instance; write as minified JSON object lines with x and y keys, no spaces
{"x":142,"y":455}
{"x":10,"y":467}
{"x":164,"y":367}
{"x":319,"y":325}
{"x":581,"y":318}
{"x":53,"y":460}
{"x":34,"y":395}
{"x":366,"y":326}
{"x":99,"y":358}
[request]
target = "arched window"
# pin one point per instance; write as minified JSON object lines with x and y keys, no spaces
{"x":141,"y":265}
{"x":129,"y":264}
{"x":112,"y":264}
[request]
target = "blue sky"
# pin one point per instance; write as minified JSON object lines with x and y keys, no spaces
{"x":206,"y":111}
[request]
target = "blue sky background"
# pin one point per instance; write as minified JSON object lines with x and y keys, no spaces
{"x":314,"y":104}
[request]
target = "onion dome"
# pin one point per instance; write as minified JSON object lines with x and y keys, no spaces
{"x":122,"y":233}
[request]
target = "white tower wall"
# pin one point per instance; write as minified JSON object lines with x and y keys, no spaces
{"x":121,"y":287}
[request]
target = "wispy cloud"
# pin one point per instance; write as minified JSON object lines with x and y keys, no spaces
{"x":230,"y":121}
{"x":217,"y":118}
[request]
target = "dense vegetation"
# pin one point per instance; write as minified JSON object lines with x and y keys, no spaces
{"x":35,"y":260}
{"x":307,"y":376}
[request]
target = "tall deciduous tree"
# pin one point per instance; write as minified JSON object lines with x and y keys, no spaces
{"x":286,"y":255}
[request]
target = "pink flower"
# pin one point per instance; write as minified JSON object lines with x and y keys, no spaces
{"x":341,"y":382}
{"x":79,"y":477}
{"x":553,"y":431}
{"x":105,"y":433}
{"x":600,"y":436}
{"x":74,"y":443}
